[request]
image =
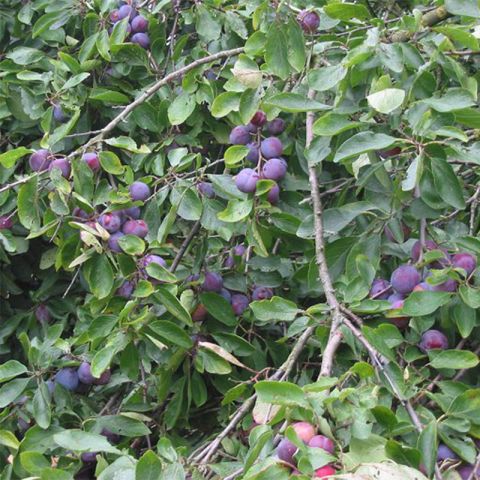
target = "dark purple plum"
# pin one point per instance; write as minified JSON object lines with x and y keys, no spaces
{"x":433,"y":339}
{"x":466,"y":471}
{"x":110,"y":436}
{"x":125,"y":290}
{"x":273,"y":195}
{"x":113,"y":244}
{"x":115,"y":16}
{"x":252,"y":128}
{"x":152,"y":258}
{"x":276,"y":126}
{"x":92,"y":160}
{"x":200,"y":313}
{"x":262,"y":293}
{"x":141,"y":39}
{"x":240,"y":135}
{"x":42,"y":314}
{"x":6,"y":222}
{"x":320,"y":441}
{"x":89,"y":457}
{"x":126,"y":11}
{"x":85,"y":374}
{"x":405,"y":278}
{"x":246,"y":180}
{"x":309,"y":21}
{"x":305,"y":431}
{"x":63,"y":164}
{"x":40,"y":160}
{"x":259,"y":119}
{"x":58,"y":114}
{"x":239,"y":303}
{"x":104,"y":378}
{"x":135,"y":227}
{"x":465,"y":260}
{"x":417,"y":248}
{"x":139,"y":191}
{"x":274,"y":169}
{"x":213,"y":282}
{"x":67,"y":378}
{"x":286,"y":450}
{"x":229,"y":262}
{"x":226,"y":294}
{"x":206,"y":189}
{"x":253,"y":153}
{"x":78,"y":212}
{"x":132,"y":212}
{"x":139,"y":24}
{"x":22,"y":424}
{"x":271,"y":147}
{"x":445,"y":453}
{"x":239,"y":250}
{"x":111,"y":222}
{"x":380,"y":289}
{"x":397,"y":301}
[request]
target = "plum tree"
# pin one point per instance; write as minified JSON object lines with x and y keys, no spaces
{"x":139,"y":191}
{"x":246,"y":180}
{"x":404,"y":279}
{"x":433,"y":339}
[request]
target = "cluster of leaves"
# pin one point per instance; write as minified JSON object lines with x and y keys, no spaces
{"x":393,"y":87}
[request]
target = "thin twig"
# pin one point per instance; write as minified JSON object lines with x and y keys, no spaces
{"x":185,"y":244}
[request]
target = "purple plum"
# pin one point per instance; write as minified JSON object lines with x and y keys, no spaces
{"x":309,"y":21}
{"x":405,"y":278}
{"x":139,"y":24}
{"x":276,"y":126}
{"x":433,"y":339}
{"x":380,"y":289}
{"x":135,"y":227}
{"x":274,"y":169}
{"x":40,"y":160}
{"x":240,"y":135}
{"x":262,"y":293}
{"x":206,"y":189}
{"x":113,"y":244}
{"x":259,"y":119}
{"x":92,"y":160}
{"x":85,"y":374}
{"x":271,"y":147}
{"x":63,"y":164}
{"x":213,"y":282}
{"x":111,"y":222}
{"x":125,"y":290}
{"x":6,"y":222}
{"x":320,"y":441}
{"x":273,"y":195}
{"x":141,"y":39}
{"x":286,"y":450}
{"x":465,"y":260}
{"x":239,"y":303}
{"x":67,"y":378}
{"x":246,"y":180}
{"x":139,"y":191}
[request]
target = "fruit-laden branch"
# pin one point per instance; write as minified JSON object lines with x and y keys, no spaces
{"x":157,"y":86}
{"x":428,"y":20}
{"x":335,"y":337}
{"x":281,"y":374}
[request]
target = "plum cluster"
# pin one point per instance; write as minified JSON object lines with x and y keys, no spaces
{"x":264,"y":153}
{"x":213,"y":282}
{"x":305,"y":431}
{"x":137,"y":25}
{"x":78,"y":379}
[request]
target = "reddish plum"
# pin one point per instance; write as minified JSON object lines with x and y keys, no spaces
{"x":305,"y":431}
{"x":104,"y":378}
{"x":465,"y":260}
{"x":92,"y":160}
{"x":417,"y":248}
{"x":259,"y":119}
{"x":286,"y":450}
{"x":424,"y":287}
{"x":405,"y":278}
{"x":135,"y":227}
{"x":325,"y":472}
{"x":200,"y":313}
{"x":320,"y":441}
{"x":433,"y":339}
{"x":111,"y":222}
{"x":6,"y":222}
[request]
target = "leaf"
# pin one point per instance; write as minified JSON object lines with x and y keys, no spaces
{"x":80,"y":441}
{"x":126,"y":424}
{"x":41,"y":406}
{"x":99,"y":275}
{"x":127,"y":143}
{"x":221,"y":352}
{"x":280,"y":393}
{"x":447,"y":183}
{"x":467,"y":8}
{"x":234,"y":155}
{"x":296,"y":46}
{"x":132,"y":245}
{"x":225,"y":103}
{"x":361,"y":143}
{"x":466,"y":405}
{"x":453,"y":99}
{"x":33,"y":462}
{"x":219,"y":308}
{"x":12,"y":390}
{"x":347,"y":11}
{"x":383,"y":471}
{"x":171,"y":333}
{"x":160,"y":273}
{"x":325,"y":78}
{"x":455,"y":359}
{"x":111,"y":163}
{"x":172,"y":304}
{"x":27,"y":204}
{"x":332,"y":124}
{"x":8,"y":159}
{"x":427,"y":444}
{"x":9,"y":440}
{"x":275,"y":309}
{"x":246,"y":71}
{"x":25,"y":55}
{"x":11,"y":369}
{"x":424,"y":303}
{"x":295,"y":103}
{"x":103,"y":45}
{"x":276,"y":52}
{"x":149,"y":467}
{"x":414,"y":173}
{"x":108,"y":96}
{"x":386,"y":101}
{"x":236,"y":210}
{"x":181,"y":108}
{"x":121,"y":469}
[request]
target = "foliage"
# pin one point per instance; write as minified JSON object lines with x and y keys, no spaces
{"x":203,"y":379}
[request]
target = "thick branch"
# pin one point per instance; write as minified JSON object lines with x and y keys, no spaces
{"x":428,"y":20}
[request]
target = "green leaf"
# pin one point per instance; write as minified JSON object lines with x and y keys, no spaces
{"x":108,"y":96}
{"x":173,"y":305}
{"x":121,"y":469}
{"x":219,"y":308}
{"x":454,"y":99}
{"x":25,"y":55}
{"x":41,"y":406}
{"x":225,"y":103}
{"x":132,"y":245}
{"x":49,"y":21}
{"x":149,"y":467}
{"x":347,"y":11}
{"x":276,"y":309}
{"x":236,"y":210}
{"x":27,"y":203}
{"x":111,"y":163}
{"x":427,"y":444}
{"x":424,"y":303}
{"x":8,"y":159}
{"x":276,"y":52}
{"x":361,"y":143}
{"x":208,"y":25}
{"x":33,"y":462}
{"x":246,"y":71}
{"x":103,"y":45}
{"x":171,"y":333}
{"x":447,"y":183}
{"x":295,"y":103}
{"x":455,"y":359}
{"x":80,"y":441}
{"x":280,"y":393}
{"x":160,"y":273}
{"x":332,"y":124}
{"x":325,"y":78}
{"x":471,"y":296}
{"x":386,"y":101}
{"x":466,"y":405}
{"x":9,"y":440}
{"x":102,"y":360}
{"x":467,"y":8}
{"x":296,"y":46}
{"x":12,"y":390}
{"x":126,"y":424}
{"x":11,"y":369}
{"x":99,"y":273}
{"x":181,"y":108}
{"x":127,"y":143}
{"x":234,"y":155}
